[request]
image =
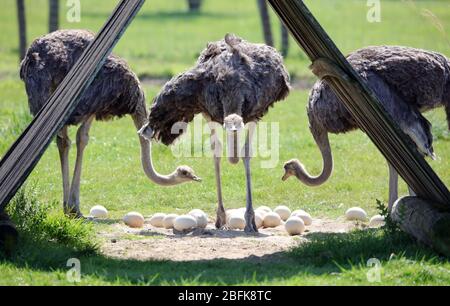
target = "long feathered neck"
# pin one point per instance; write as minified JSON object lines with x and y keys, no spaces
{"x":321,"y":138}
{"x":146,"y":156}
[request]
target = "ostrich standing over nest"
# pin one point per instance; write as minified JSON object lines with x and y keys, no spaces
{"x":407,"y":82}
{"x":115,"y":92}
{"x":234,"y":83}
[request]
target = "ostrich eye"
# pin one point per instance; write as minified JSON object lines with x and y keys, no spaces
{"x":184,"y":172}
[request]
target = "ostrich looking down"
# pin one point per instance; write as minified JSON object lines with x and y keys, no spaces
{"x":234,"y":83}
{"x":407,"y":82}
{"x":115,"y":92}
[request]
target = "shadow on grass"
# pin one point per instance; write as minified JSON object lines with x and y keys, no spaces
{"x":323,"y":255}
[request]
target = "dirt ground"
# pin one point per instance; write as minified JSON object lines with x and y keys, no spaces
{"x":150,"y":243}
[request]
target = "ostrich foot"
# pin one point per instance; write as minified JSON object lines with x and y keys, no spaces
{"x":73,"y":213}
{"x":221,"y":220}
{"x":251,"y":228}
{"x":250,"y":225}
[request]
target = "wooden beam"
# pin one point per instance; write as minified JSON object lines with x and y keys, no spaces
{"x":422,"y":220}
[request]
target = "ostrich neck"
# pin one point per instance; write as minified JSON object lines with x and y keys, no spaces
{"x":147,"y":165}
{"x":325,"y":149}
{"x":140,"y":121}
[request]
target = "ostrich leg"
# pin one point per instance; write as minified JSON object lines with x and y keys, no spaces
{"x":82,"y":141}
{"x":250,"y":225}
{"x":216,"y":148}
{"x":393,"y":187}
{"x":63,"y":142}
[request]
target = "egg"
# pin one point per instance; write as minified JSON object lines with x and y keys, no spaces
{"x":294,"y":226}
{"x":259,"y":219}
{"x":157,"y":220}
{"x":229,"y":213}
{"x":283,"y":211}
{"x":200,"y":216}
{"x":236,"y":221}
{"x":356,"y":214}
{"x":271,"y":219}
{"x":303,"y":215}
{"x":377,"y":221}
{"x":134,"y":219}
{"x":168,"y":220}
{"x":264,"y":208}
{"x":184,"y":223}
{"x":99,"y":211}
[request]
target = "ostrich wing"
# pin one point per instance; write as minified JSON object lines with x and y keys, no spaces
{"x":178,"y":102}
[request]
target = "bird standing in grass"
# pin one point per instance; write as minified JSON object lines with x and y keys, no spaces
{"x":234,"y":83}
{"x":407,"y":82}
{"x":115,"y":92}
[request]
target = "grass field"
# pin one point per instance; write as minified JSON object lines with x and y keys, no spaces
{"x":165,"y":40}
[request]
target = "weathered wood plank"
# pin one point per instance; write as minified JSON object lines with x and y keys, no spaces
{"x":422,"y":220}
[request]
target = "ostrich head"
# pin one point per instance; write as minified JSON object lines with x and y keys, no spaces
{"x":185,"y":174}
{"x":420,"y":133}
{"x":233,"y":123}
{"x":290,"y":168}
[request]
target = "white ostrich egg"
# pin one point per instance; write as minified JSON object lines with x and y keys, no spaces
{"x":356,"y":214}
{"x":157,"y":220}
{"x":236,"y":221}
{"x":259,"y":219}
{"x":294,"y":226}
{"x":134,"y":219}
{"x":271,"y":219}
{"x":99,"y":211}
{"x":283,"y":211}
{"x":303,"y":215}
{"x":185,"y":222}
{"x":230,"y":212}
{"x":264,"y":208}
{"x":377,"y":221}
{"x":200,"y":217}
{"x":168,"y":220}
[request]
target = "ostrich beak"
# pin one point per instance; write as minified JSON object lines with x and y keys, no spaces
{"x":197,"y":179}
{"x":285,"y":176}
{"x":432,"y":155}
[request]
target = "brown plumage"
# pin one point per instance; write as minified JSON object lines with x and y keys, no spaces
{"x":115,"y":92}
{"x":231,"y":76}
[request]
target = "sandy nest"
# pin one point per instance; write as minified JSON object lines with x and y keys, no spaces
{"x":150,"y":243}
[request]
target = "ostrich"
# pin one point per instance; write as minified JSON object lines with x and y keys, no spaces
{"x":115,"y":92}
{"x":234,"y":82}
{"x":407,"y":81}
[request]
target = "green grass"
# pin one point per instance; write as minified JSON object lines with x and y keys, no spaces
{"x":163,"y":41}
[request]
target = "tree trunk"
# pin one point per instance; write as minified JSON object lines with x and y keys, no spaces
{"x":53,"y":19}
{"x":424,"y":221}
{"x":194,"y":5}
{"x":8,"y":234}
{"x":22,"y":28}
{"x":284,"y":40}
{"x":265,"y":19}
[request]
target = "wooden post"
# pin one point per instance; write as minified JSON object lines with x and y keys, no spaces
{"x":53,"y":16}
{"x":265,"y":20}
{"x":22,"y":28}
{"x":423,"y":221}
{"x":194,"y":5}
{"x":284,"y":40}
{"x":8,"y":234}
